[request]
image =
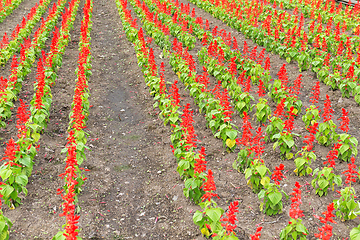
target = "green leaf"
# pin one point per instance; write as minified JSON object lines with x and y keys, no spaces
{"x":355,"y":233}
{"x":214,"y":213}
{"x":231,"y":134}
{"x":344,"y":148}
{"x":26,"y":161}
{"x":5,"y":174}
{"x":7,"y":190}
{"x":289,"y":142}
{"x":35,"y":136}
{"x":2,"y":225}
{"x":337,"y":180}
{"x":21,"y":179}
{"x":301,"y":228}
{"x":323,"y":183}
{"x":265,"y":180}
{"x":275,"y":197}
{"x":262,"y":170}
{"x":198,"y":216}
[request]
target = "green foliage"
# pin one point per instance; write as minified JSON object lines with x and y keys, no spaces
{"x":272,"y":199}
{"x":346,"y":206}
{"x":256,"y":175}
{"x":325,"y":179}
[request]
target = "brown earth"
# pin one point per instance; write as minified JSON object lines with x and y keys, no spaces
{"x":133,"y":190}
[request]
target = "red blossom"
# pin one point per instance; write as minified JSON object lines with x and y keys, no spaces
{"x":344,"y":120}
{"x":295,"y":211}
{"x":229,"y":220}
{"x":326,"y":231}
{"x":200,"y":164}
{"x":258,"y":230}
{"x":246,"y":134}
{"x":332,"y":155}
{"x":315,"y":93}
{"x":327,"y":115}
{"x":352,"y":173}
{"x":277,"y":176}
{"x":209,"y":187}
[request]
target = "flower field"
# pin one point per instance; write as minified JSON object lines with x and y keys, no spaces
{"x":168,"y":119}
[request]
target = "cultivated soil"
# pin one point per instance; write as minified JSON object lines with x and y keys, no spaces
{"x":133,"y":190}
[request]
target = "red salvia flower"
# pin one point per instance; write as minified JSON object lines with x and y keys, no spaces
{"x":247,"y":85}
{"x":235,"y":44}
{"x":11,"y":149}
{"x":326,"y":231}
{"x":258,"y":143}
{"x":162,"y":87}
{"x":200,"y":164}
{"x":253,"y":53}
{"x":261,"y":56}
{"x":23,"y":114}
{"x":267,"y":64}
{"x":352,"y":173}
{"x":246,"y":134}
{"x":327,"y":115}
{"x":279,"y":112}
{"x":295,"y":211}
{"x":277,"y":176}
{"x":229,"y":220}
{"x":332,"y":155}
{"x":344,"y":120}
{"x":204,"y":39}
{"x":245,"y":49}
{"x":261,"y":90}
{"x":207,"y":27}
{"x":174,"y":91}
{"x":283,"y":77}
{"x":315,"y":93}
{"x":40,"y":76}
{"x":289,"y":123}
{"x":258,"y":230}
{"x":297,"y":84}
{"x":209,"y":187}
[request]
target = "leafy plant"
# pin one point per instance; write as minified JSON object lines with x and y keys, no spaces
{"x":295,"y":229}
{"x":263,"y":110}
{"x":325,"y":179}
{"x":311,"y":116}
{"x":346,"y":207}
{"x":272,"y":195}
{"x":256,"y":175}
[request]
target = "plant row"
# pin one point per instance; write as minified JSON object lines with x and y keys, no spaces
{"x":77,"y":137}
{"x":20,"y":154}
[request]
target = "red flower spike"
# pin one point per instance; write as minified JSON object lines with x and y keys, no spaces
{"x":279,"y":112}
{"x":295,"y":211}
{"x":257,"y":233}
{"x":315,"y":93}
{"x":229,"y":221}
{"x":352,"y":173}
{"x":277,"y":176}
{"x":344,"y":120}
{"x":332,"y":155}
{"x":326,"y":231}
{"x":327,"y":115}
{"x":200,"y":164}
{"x":209,"y":187}
{"x":247,"y":134}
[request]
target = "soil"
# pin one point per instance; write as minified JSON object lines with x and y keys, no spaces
{"x":133,"y":190}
